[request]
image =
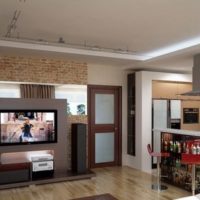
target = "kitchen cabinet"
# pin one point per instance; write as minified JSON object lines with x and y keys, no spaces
{"x":175,"y":109}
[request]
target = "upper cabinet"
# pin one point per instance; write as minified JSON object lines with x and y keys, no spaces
{"x":175,"y":109}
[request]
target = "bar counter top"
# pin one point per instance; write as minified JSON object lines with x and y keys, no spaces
{"x":178,"y":131}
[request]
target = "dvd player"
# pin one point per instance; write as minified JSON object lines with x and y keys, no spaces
{"x":42,"y":166}
{"x":41,"y":157}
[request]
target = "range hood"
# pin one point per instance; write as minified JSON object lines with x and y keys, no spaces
{"x":195,"y":78}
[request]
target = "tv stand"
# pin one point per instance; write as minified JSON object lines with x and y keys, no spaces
{"x":26,"y":166}
{"x":16,"y":170}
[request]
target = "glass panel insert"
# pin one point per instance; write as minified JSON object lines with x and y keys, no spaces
{"x":104,"y":147}
{"x":104,"y":108}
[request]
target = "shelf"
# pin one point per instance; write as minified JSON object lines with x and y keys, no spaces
{"x":176,"y":153}
{"x":131,"y":96}
{"x":14,"y":166}
{"x":131,"y":117}
{"x":178,"y":173}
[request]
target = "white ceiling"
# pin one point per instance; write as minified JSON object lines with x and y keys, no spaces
{"x":139,"y":26}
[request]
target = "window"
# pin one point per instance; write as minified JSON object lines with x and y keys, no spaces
{"x":8,"y":90}
{"x":76,"y":96}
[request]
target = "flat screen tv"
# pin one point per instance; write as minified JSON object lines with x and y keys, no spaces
{"x":28,"y":126}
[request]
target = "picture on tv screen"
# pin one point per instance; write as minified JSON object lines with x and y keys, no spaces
{"x":24,"y":126}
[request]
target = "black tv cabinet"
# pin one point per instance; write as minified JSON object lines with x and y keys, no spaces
{"x":15,"y":172}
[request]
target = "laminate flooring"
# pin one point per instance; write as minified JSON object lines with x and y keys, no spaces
{"x":123,"y":183}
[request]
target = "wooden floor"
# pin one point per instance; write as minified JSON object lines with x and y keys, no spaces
{"x":122,"y":182}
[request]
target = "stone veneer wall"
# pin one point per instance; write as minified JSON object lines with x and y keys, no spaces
{"x":42,"y":70}
{"x":45,"y":70}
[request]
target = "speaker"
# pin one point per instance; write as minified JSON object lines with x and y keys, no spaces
{"x":78,"y":147}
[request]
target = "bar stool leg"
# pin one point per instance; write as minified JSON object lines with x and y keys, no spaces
{"x":193,"y":179}
{"x":158,"y":186}
{"x":158,"y":172}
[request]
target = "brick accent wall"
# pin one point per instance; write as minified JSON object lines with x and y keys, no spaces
{"x":42,"y":70}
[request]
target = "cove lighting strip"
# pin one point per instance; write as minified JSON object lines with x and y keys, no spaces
{"x":173,"y":48}
{"x":71,"y":50}
{"x":52,"y":47}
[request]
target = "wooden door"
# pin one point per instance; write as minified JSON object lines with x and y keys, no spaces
{"x":104,"y":120}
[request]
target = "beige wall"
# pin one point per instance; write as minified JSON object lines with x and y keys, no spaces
{"x":42,"y":70}
{"x":106,"y":75}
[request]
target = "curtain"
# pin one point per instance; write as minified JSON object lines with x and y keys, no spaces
{"x":37,"y":91}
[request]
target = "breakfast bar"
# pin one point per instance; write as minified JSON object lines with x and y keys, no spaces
{"x":182,"y":167}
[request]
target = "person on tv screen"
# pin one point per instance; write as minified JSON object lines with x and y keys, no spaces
{"x":26,"y":135}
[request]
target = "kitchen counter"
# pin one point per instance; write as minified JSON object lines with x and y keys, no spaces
{"x":178,"y":131}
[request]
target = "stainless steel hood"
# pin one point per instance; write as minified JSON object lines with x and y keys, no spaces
{"x":195,"y":78}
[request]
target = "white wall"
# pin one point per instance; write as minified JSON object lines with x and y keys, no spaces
{"x":144,"y":79}
{"x":112,"y":75}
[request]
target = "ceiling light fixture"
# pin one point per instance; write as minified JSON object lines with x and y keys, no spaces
{"x":12,"y":26}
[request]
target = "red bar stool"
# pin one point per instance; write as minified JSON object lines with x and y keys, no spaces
{"x":158,"y":155}
{"x":191,"y":159}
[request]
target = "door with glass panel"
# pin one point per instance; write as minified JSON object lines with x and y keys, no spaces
{"x":104,"y":117}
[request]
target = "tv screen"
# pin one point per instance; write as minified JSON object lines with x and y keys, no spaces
{"x":28,"y":126}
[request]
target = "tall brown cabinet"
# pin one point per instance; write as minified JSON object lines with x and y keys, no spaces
{"x":131,"y":115}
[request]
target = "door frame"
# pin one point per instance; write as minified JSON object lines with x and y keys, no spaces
{"x":119,"y":144}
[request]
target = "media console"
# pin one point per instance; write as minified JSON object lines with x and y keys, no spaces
{"x":36,"y":167}
{"x":32,"y":168}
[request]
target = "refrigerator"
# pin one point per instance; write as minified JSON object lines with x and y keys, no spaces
{"x":165,"y":114}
